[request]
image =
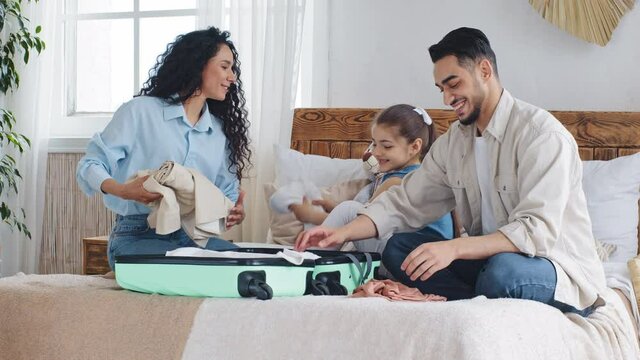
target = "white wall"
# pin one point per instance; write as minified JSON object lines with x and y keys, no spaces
{"x":378,"y":55}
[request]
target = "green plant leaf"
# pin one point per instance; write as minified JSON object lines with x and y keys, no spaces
{"x":5,"y":212}
{"x":12,"y":47}
{"x":1,"y":17}
{"x":17,"y":38}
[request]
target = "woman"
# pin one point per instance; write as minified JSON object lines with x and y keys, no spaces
{"x":190,"y":111}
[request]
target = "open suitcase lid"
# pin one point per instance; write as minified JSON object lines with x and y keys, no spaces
{"x":193,"y":260}
{"x":327,"y":257}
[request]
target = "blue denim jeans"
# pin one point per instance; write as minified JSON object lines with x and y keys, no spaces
{"x":504,"y":275}
{"x":132,"y":235}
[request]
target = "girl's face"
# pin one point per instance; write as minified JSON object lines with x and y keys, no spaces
{"x":393,"y":151}
{"x":218,"y":75}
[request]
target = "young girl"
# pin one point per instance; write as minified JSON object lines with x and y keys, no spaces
{"x":190,"y":111}
{"x":401,"y":136}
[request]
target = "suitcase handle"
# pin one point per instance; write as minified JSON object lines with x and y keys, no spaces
{"x":364,"y":273}
{"x":253,"y":284}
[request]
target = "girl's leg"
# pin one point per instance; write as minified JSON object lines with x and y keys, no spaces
{"x":346,"y":212}
{"x":342,"y":214}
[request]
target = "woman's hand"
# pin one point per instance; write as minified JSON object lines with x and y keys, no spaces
{"x":132,"y":190}
{"x":236,"y":214}
{"x":320,"y":237}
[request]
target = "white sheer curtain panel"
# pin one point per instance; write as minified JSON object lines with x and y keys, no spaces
{"x":34,"y":104}
{"x":268,"y":36}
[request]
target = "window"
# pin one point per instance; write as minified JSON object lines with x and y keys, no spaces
{"x":110,"y":47}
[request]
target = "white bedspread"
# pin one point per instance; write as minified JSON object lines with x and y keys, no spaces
{"x":373,"y":328}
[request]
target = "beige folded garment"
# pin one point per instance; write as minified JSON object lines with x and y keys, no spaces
{"x":189,"y":200}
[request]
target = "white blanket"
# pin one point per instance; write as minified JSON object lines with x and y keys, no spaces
{"x":330,"y":327}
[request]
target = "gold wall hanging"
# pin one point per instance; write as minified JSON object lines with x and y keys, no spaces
{"x":591,"y":20}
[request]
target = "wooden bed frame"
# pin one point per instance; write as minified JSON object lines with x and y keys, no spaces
{"x":345,"y":132}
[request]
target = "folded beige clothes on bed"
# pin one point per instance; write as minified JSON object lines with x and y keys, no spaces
{"x":88,"y":317}
{"x":189,"y":200}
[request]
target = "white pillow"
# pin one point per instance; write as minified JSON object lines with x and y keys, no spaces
{"x":612,"y":189}
{"x":292,"y":165}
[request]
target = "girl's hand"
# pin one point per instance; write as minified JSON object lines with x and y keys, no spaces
{"x":306,"y":213}
{"x":236,"y":214}
{"x":327,"y":204}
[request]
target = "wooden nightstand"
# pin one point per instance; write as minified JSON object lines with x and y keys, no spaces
{"x":94,"y":255}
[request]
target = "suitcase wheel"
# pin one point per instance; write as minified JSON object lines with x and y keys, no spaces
{"x":319,"y":288}
{"x":336,"y":288}
{"x":253,"y":284}
{"x":332,"y":282}
{"x":261,"y":290}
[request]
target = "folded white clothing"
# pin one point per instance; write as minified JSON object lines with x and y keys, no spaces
{"x":291,"y":256}
{"x":297,"y":257}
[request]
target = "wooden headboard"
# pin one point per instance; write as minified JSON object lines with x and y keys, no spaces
{"x":345,"y":133}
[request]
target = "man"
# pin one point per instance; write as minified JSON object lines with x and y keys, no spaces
{"x":513,"y":174}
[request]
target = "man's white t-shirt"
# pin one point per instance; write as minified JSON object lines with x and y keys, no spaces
{"x":482,"y":169}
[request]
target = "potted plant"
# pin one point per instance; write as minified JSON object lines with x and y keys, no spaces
{"x":15,"y":39}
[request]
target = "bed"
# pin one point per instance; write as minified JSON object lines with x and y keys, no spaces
{"x":70,"y":316}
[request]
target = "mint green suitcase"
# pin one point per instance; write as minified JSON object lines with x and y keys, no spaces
{"x":213,"y":277}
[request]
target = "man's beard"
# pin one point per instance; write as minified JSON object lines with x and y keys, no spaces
{"x":473,"y":117}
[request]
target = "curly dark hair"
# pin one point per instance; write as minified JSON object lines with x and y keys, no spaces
{"x":179,"y":71}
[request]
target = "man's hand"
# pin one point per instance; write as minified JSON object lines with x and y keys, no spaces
{"x":132,"y":190}
{"x":236,"y":214}
{"x":360,"y":228}
{"x":320,"y":237}
{"x":429,"y":258}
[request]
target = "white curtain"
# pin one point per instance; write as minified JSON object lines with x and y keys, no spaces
{"x":33,"y":105}
{"x":268,"y":37}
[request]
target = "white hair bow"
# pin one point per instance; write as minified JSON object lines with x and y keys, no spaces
{"x":425,"y":117}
